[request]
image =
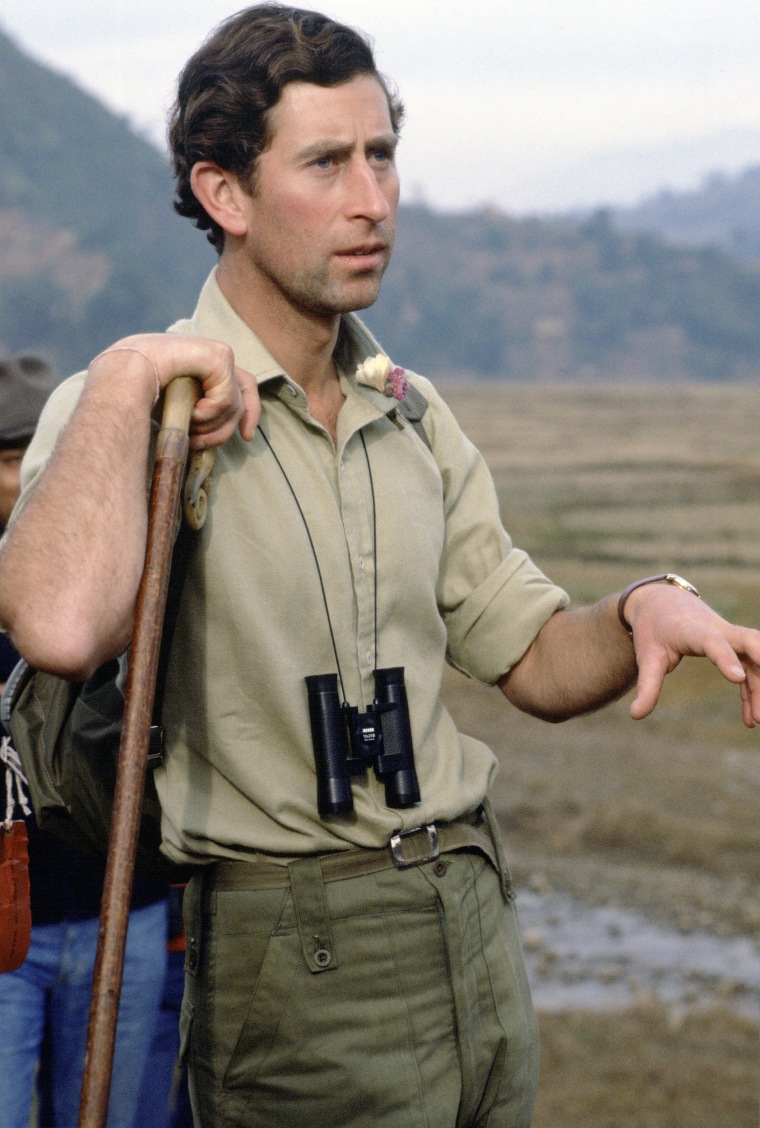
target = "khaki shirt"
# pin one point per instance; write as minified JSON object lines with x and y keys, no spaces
{"x":239,"y":774}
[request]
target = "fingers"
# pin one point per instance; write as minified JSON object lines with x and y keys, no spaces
{"x":741,"y":668}
{"x":226,"y":404}
{"x":229,"y":397}
{"x":750,"y":695}
{"x":669,"y":625}
{"x":747,"y":715}
{"x":724,"y":657}
{"x":229,"y":400}
{"x":249,"y":390}
{"x":738,"y":659}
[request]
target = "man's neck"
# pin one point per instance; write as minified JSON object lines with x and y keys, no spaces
{"x":301,"y":342}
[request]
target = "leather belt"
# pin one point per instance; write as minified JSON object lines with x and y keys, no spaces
{"x":411,"y":848}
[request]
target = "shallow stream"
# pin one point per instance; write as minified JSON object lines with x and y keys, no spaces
{"x":597,"y":958}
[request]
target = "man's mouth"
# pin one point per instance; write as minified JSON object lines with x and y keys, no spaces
{"x":369,"y":253}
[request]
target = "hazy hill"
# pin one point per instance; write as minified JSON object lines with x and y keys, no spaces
{"x":91,"y":250}
{"x":724,"y":212}
{"x":91,"y":247}
{"x":485,"y":294}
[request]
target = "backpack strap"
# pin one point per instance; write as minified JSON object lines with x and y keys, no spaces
{"x":413,"y":407}
{"x":17,"y":679}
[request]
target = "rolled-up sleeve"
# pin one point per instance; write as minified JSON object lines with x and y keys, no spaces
{"x":492,"y":628}
{"x":492,"y":597}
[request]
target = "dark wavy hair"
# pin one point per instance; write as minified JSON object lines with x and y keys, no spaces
{"x":230,"y":84}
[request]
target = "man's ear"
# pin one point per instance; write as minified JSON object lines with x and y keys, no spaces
{"x":219,"y":192}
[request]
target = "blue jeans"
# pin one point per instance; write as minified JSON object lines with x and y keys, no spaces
{"x":50,"y":995}
{"x":164,"y":1097}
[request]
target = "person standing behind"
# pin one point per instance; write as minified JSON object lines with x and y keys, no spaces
{"x":44,"y":1005}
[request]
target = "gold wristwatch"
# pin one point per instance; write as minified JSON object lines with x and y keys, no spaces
{"x":661,"y":577}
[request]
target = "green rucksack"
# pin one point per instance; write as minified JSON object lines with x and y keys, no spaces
{"x":67,"y":737}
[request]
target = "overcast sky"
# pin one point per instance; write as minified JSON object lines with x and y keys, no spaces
{"x":529,"y":105}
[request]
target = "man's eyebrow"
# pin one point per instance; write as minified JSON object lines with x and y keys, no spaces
{"x":384,"y":141}
{"x":320,"y":148}
{"x":327,"y":146}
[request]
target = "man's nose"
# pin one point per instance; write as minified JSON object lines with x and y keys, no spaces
{"x":368,"y":196}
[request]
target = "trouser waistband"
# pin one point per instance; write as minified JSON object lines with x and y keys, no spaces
{"x":424,"y":844}
{"x":308,"y":877}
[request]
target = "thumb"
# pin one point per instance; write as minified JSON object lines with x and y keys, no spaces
{"x":652,"y":671}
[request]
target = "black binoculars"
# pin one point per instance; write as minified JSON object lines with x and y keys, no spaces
{"x":345,"y":741}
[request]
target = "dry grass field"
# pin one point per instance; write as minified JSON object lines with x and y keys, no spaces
{"x":603,"y":484}
{"x":637,"y":1070}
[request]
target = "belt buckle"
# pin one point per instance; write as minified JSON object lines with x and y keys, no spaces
{"x":397,"y":850}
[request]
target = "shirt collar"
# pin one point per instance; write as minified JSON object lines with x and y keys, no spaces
{"x":215,"y":318}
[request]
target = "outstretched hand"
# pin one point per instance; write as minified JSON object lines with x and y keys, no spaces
{"x":669,"y":625}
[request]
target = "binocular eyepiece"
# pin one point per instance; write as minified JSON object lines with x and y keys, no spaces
{"x":345,"y":741}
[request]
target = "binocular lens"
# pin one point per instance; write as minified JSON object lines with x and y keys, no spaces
{"x":328,"y":734}
{"x":345,"y":741}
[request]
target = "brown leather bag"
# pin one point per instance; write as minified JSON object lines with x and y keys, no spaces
{"x":15,"y":908}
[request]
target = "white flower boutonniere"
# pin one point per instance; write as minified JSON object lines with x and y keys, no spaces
{"x":378,"y":372}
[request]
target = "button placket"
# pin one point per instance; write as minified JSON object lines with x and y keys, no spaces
{"x":356,"y":511}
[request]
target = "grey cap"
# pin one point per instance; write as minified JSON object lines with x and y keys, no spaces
{"x":26,"y":381}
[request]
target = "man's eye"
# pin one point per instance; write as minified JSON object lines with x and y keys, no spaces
{"x":323,"y":162}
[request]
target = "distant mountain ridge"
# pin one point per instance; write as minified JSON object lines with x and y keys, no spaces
{"x":92,"y":250}
{"x":486,"y":295}
{"x":724,"y":212}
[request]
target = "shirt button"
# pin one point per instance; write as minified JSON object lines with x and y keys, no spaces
{"x":369,"y":657}
{"x":361,"y":563}
{"x":293,"y":391}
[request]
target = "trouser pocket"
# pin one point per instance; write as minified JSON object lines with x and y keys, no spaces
{"x":186,"y":1016}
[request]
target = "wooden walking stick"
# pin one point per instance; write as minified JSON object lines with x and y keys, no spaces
{"x":171,"y":456}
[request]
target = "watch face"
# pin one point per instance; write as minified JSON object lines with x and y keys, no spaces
{"x":679,"y":581}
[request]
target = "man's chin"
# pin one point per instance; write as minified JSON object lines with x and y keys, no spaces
{"x":349,"y":300}
{"x":363,"y":293}
{"x":365,"y":303}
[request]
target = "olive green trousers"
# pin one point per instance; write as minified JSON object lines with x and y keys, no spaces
{"x":397,"y":999}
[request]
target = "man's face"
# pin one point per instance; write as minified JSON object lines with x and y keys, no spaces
{"x":10,"y":480}
{"x":321,"y":221}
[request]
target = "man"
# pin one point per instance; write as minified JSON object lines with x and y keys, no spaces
{"x":45,"y":1004}
{"x":331,"y":979}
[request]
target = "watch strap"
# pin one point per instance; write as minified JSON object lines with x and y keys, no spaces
{"x":660,"y":577}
